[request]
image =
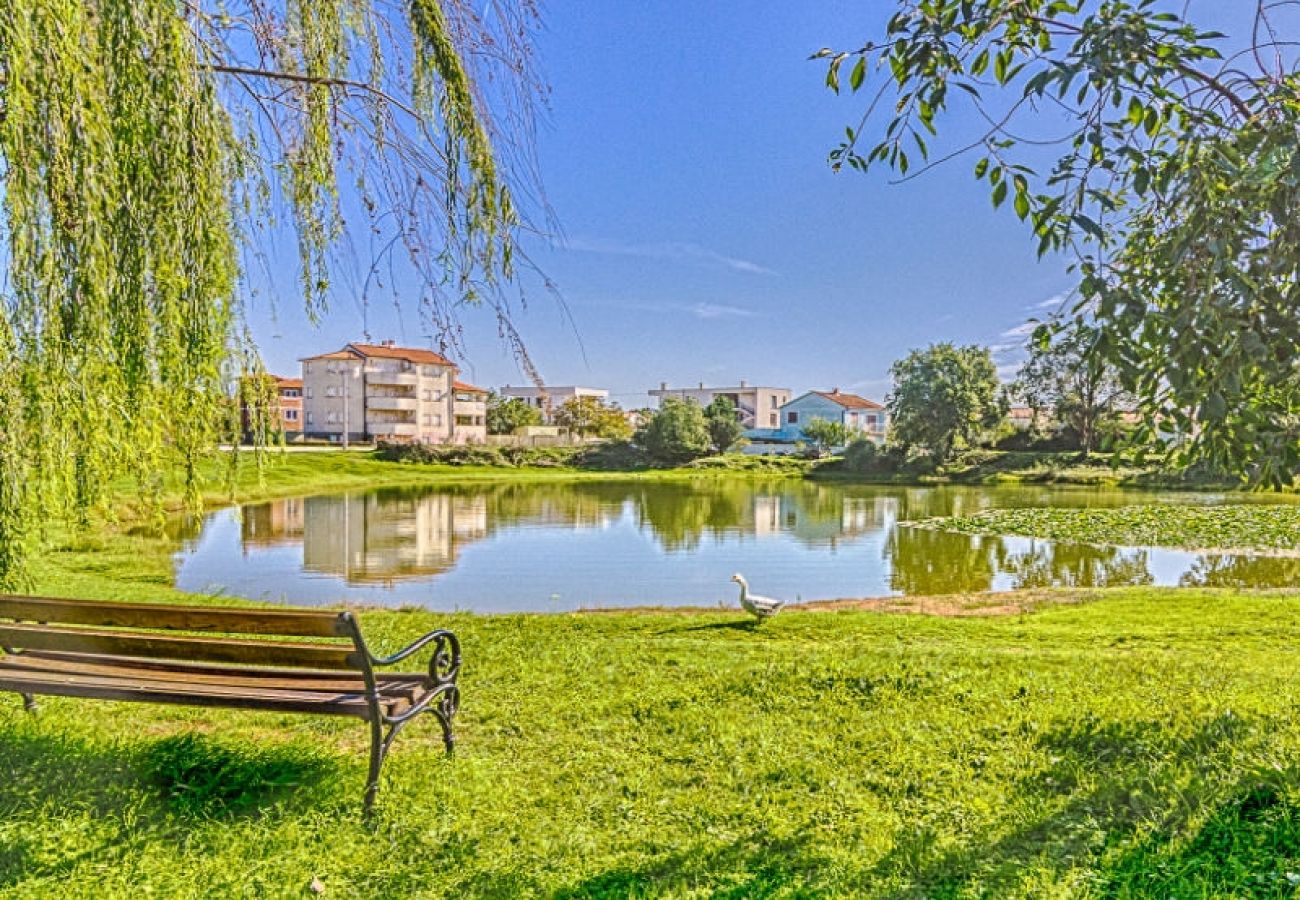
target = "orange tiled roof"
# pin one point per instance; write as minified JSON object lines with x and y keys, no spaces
{"x":410,"y":354}
{"x":287,"y":382}
{"x":468,"y":388}
{"x":849,"y":401}
{"x":337,"y":354}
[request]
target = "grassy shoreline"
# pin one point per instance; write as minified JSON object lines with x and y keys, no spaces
{"x":1133,"y":742}
{"x":1123,"y":742}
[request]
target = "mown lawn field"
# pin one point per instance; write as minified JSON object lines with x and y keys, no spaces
{"x":1139,"y":743}
{"x":1128,"y":743}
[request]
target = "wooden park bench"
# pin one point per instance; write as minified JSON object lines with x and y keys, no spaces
{"x":190,"y":655}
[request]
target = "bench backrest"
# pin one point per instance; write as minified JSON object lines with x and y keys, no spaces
{"x":146,"y":630}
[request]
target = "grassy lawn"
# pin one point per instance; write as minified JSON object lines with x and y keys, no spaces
{"x":1265,"y":527}
{"x":1142,"y":744}
{"x":1129,"y":743}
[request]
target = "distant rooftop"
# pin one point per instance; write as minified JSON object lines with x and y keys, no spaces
{"x":387,"y":350}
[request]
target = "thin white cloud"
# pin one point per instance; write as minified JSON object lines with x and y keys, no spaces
{"x":1056,"y":301}
{"x":718,"y":311}
{"x":673,"y":251}
{"x":1024,"y":329}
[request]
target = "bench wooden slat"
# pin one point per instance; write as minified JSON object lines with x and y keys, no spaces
{"x":166,"y":646}
{"x":297,"y":622}
{"x":404,"y":686}
{"x":141,"y":689}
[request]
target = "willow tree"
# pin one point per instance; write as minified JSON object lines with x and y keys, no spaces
{"x":1172,"y":178}
{"x":153,"y":153}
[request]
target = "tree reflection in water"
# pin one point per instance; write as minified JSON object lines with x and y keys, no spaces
{"x":392,"y":535}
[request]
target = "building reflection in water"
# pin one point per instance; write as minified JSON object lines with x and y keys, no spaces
{"x":373,"y":538}
{"x":386,"y":536}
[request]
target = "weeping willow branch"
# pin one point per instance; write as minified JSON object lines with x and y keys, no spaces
{"x":146,"y":145}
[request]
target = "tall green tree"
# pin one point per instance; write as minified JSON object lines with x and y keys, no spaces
{"x":826,"y":434}
{"x":506,"y":414}
{"x":591,"y":416}
{"x":676,"y":433}
{"x":944,"y":396}
{"x":1081,"y":389}
{"x":1175,"y":188}
{"x":725,"y":429}
{"x":152,"y":152}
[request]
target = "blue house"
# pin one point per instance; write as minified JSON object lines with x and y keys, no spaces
{"x":863,"y":417}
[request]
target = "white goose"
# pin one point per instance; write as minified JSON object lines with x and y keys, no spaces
{"x":760,"y":607}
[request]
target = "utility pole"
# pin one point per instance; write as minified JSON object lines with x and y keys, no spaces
{"x":345,"y":370}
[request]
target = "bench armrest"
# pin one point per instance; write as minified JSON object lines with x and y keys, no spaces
{"x":443,"y":665}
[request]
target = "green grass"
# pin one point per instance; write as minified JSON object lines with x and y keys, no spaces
{"x":1130,"y":743}
{"x":1144,"y":744}
{"x":1266,"y":527}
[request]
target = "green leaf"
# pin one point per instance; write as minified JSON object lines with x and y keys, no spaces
{"x":999,"y":194}
{"x":859,"y":73}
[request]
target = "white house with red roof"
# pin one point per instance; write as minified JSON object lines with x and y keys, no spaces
{"x":863,"y":417}
{"x":383,"y":392}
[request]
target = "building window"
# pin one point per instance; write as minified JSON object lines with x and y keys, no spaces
{"x":331,"y":418}
{"x":330,"y":392}
{"x":310,"y":418}
{"x":428,"y":418}
{"x":775,"y":404}
{"x":428,"y":394}
{"x":291,"y":392}
{"x":792,"y":418}
{"x":291,"y":415}
{"x":437,"y":419}
{"x":773,"y":420}
{"x":309,"y":393}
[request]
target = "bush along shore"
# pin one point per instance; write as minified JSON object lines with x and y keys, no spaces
{"x":1272,"y":528}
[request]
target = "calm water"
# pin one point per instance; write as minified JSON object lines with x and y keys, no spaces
{"x":553,"y":547}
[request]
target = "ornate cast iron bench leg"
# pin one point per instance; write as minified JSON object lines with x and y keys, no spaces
{"x":442,"y":698}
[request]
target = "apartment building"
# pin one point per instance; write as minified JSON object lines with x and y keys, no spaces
{"x":548,"y":398}
{"x":756,"y":407}
{"x":285,"y":406}
{"x":383,"y":392}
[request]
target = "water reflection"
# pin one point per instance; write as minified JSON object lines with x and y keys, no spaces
{"x":611,"y":543}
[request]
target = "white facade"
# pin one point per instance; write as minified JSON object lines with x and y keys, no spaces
{"x":865,"y":418}
{"x":382,"y":392}
{"x":756,"y":407}
{"x":547,"y":399}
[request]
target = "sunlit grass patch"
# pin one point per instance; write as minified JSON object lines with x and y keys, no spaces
{"x":1255,"y":526}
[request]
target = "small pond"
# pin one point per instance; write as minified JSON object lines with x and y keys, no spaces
{"x":553,"y":547}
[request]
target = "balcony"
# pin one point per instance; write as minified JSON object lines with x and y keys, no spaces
{"x":402,"y":403}
{"x":470,"y":407}
{"x":386,"y":377}
{"x":392,"y":429}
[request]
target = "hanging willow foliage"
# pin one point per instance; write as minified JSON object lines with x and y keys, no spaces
{"x":151,"y":150}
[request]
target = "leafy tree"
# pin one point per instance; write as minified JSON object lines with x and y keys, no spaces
{"x":590,"y":416}
{"x":1081,"y":389}
{"x":826,"y":434}
{"x":676,"y":433}
{"x":725,"y":429}
{"x":944,"y":395}
{"x":1176,"y":187}
{"x":146,"y":146}
{"x":505,"y":414}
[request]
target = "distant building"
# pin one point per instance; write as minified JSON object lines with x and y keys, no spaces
{"x":384,"y":392}
{"x":756,"y":407}
{"x":470,"y":414}
{"x":863,"y":417}
{"x":285,"y":411}
{"x":548,"y":398}
{"x":1021,"y":417}
{"x":290,"y":394}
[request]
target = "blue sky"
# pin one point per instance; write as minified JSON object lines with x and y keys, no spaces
{"x":705,"y":238}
